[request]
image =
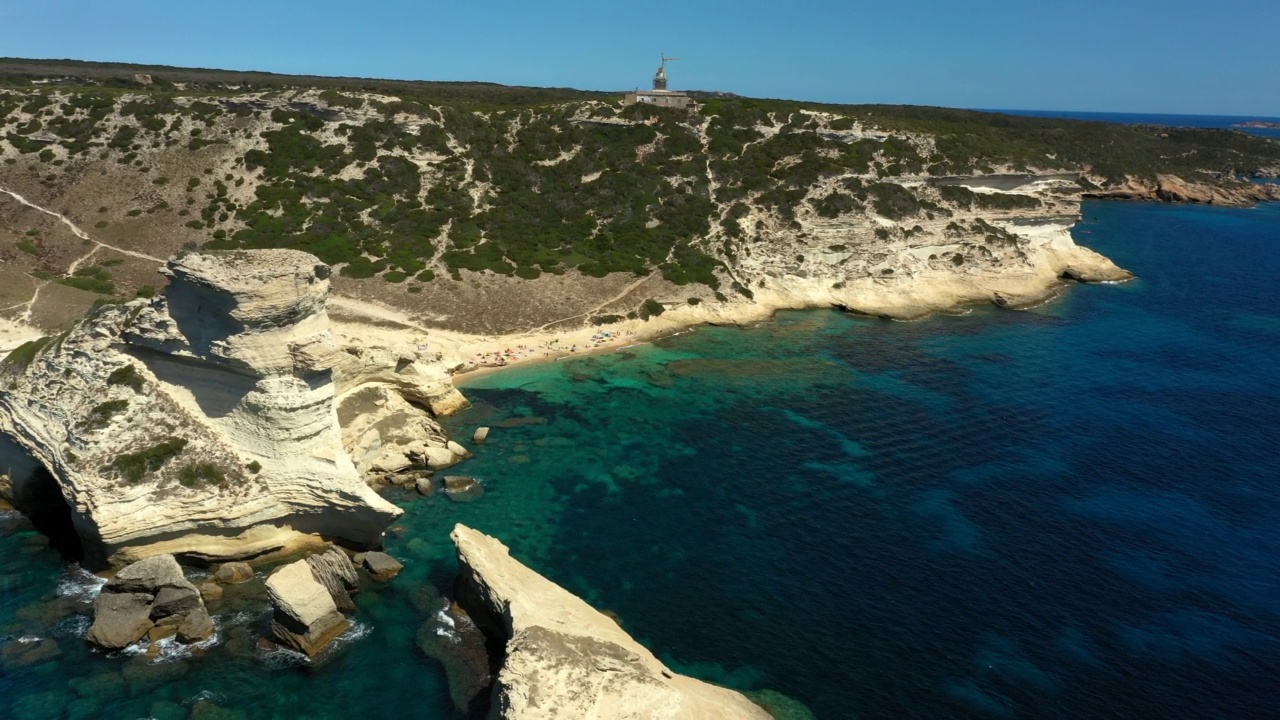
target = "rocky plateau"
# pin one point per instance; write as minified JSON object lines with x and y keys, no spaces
{"x":206,"y":423}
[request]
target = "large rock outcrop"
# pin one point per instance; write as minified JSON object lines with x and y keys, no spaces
{"x":565,"y":659}
{"x":200,"y":423}
{"x":304,"y":615}
{"x":143,"y":594}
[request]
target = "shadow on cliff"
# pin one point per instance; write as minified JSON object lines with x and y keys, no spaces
{"x":217,"y":390}
{"x":35,"y":493}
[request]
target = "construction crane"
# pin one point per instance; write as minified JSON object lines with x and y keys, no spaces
{"x":660,"y":79}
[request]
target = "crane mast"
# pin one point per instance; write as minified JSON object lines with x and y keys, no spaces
{"x":660,"y":79}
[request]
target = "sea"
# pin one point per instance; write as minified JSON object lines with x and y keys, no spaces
{"x":1066,"y":512}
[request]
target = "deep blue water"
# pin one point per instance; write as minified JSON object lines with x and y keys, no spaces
{"x":1189,"y":121}
{"x":1070,"y":512}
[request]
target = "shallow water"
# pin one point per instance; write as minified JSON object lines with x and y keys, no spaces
{"x":1066,"y":512}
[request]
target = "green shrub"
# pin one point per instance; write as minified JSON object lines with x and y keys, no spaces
{"x":651,"y":308}
{"x":200,"y":474}
{"x":134,"y":466}
{"x":100,"y":416}
{"x":254,"y":467}
{"x":127,"y":376}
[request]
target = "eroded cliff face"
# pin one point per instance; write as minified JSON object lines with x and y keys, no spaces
{"x":203,"y":423}
{"x":1171,"y":188}
{"x":563,"y":658}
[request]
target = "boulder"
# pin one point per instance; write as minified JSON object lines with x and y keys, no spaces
{"x":564,"y":659}
{"x":160,"y":632}
{"x":381,"y":566}
{"x":176,"y":601}
{"x":120,"y":619}
{"x":210,"y":591}
{"x":304,"y":616}
{"x":439,"y":458}
{"x":481,"y":435}
{"x":148,"y":576}
{"x":425,"y":485}
{"x":233,"y":573}
{"x":462,"y":488}
{"x":196,"y":627}
{"x":334,"y":570}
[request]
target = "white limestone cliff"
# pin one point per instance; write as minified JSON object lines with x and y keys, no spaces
{"x":203,"y":423}
{"x":564,"y":658}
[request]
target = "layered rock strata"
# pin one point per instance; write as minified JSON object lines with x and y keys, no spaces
{"x":310,"y":599}
{"x":1171,"y":188}
{"x":205,"y":423}
{"x":304,"y":615}
{"x":565,"y":659}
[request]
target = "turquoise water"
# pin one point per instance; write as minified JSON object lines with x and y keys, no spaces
{"x":1067,"y":512}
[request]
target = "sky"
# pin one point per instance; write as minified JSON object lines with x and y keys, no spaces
{"x":1162,"y":56}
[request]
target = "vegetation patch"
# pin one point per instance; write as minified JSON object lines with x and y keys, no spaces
{"x":200,"y":474}
{"x":100,"y":416}
{"x":127,"y":376}
{"x":134,"y":466}
{"x":21,"y":357}
{"x":93,"y":279}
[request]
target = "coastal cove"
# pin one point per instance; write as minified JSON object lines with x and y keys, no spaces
{"x":1066,"y":511}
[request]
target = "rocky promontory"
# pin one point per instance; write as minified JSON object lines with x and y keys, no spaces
{"x":1171,"y":188}
{"x":205,"y":422}
{"x":563,"y":658}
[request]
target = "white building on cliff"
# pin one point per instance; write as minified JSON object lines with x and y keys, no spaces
{"x":659,"y":95}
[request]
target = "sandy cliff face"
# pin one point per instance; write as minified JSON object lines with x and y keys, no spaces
{"x":565,"y":659}
{"x":204,"y":423}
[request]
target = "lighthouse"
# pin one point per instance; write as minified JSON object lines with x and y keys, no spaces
{"x":660,"y":95}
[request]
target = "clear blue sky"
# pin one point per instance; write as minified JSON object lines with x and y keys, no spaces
{"x":1178,"y":56}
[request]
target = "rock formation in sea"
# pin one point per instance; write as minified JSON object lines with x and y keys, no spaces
{"x":565,"y":659}
{"x":205,"y":422}
{"x":150,"y":598}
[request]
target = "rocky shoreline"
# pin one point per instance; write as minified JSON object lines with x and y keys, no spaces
{"x":1173,"y":189}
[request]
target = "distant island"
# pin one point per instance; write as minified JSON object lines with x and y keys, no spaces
{"x":1262,"y":124}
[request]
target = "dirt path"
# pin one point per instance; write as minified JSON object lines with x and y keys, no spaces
{"x":625,"y":292}
{"x":75,"y":230}
{"x":25,"y":317}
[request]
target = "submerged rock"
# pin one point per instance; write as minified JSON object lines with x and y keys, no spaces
{"x":450,"y":637}
{"x":462,"y":488}
{"x":564,"y":659}
{"x":304,"y":615}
